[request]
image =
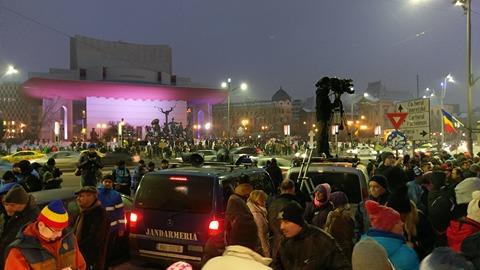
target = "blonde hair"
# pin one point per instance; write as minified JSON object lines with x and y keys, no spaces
{"x":410,"y":220}
{"x":256,"y":196}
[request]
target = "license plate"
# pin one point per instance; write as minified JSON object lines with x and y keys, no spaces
{"x":170,"y":248}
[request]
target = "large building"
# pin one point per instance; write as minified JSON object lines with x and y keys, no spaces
{"x":272,"y":117}
{"x":110,"y":81}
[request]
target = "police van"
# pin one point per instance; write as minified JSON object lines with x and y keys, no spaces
{"x":177,"y":210}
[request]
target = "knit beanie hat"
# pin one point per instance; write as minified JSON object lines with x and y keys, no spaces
{"x":464,"y":189}
{"x":369,"y":255}
{"x":325,"y":189}
{"x":243,"y":233}
{"x":473,"y":210}
{"x":54,"y":215}
{"x":381,"y":180}
{"x":396,"y":177}
{"x":244,"y":189}
{"x":292,"y":212}
{"x":381,"y":217}
{"x":180,"y":266}
{"x":16,"y":194}
{"x":399,"y":200}
{"x":338,"y":198}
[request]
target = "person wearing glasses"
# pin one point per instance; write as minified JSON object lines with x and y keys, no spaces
{"x":46,"y":243}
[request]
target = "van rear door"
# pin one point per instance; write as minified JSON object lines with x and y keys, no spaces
{"x":173,"y":214}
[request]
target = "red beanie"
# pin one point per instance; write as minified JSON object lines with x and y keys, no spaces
{"x":381,"y":217}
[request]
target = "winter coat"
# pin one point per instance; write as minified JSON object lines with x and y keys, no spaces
{"x":402,"y":256}
{"x":276,"y":174}
{"x":238,"y":258}
{"x":459,"y":230}
{"x":90,"y":164}
{"x":317,"y":216}
{"x":42,"y":254}
{"x":91,"y":230}
{"x":341,"y":226}
{"x":11,"y":226}
{"x":471,"y":249}
{"x":441,"y":204}
{"x":424,"y":241}
{"x":260,"y":217}
{"x":236,"y":208}
{"x":382,"y":199}
{"x":112,"y":202}
{"x":311,"y":249}
{"x":275,"y":207}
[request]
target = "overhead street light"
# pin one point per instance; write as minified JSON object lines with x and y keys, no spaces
{"x":228,"y":85}
{"x":11,"y":71}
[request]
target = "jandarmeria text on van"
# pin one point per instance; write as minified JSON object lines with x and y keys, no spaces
{"x":171,"y":234}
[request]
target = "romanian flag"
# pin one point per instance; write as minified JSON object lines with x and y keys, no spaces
{"x":450,"y":122}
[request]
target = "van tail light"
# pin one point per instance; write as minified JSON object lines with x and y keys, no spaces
{"x":214,"y":227}
{"x":133,"y":219}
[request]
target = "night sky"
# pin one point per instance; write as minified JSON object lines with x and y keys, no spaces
{"x":266,"y":43}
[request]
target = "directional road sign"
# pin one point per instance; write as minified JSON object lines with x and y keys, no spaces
{"x":417,"y":124}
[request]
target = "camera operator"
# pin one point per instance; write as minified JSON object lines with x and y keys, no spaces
{"x":89,"y":166}
{"x":51,"y":175}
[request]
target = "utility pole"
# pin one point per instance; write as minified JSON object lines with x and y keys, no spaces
{"x":470,"y":80}
{"x":418,"y":86}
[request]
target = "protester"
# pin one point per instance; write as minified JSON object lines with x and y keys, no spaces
{"x":257,"y":203}
{"x":164,"y":164}
{"x":20,"y":209}
{"x":151,"y":167}
{"x":122,"y":178}
{"x":363,"y":253}
{"x":441,"y":204}
{"x":287,"y":194}
{"x":456,"y":177}
{"x":306,"y":246}
{"x":24,"y":173}
{"x":240,"y":252}
{"x":387,"y":230}
{"x":46,"y":243}
{"x":444,"y":258}
{"x":378,"y":189}
{"x":387,"y":160}
{"x":91,"y":228}
{"x":317,"y":211}
{"x":237,"y":206}
{"x":340,"y":223}
{"x":181,"y":265}
{"x":89,"y":166}
{"x":51,"y":175}
{"x":275,"y":173}
{"x":112,"y":202}
{"x":463,"y":195}
{"x":462,"y":228}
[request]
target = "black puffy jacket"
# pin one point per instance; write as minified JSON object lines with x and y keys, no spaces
{"x":311,"y":249}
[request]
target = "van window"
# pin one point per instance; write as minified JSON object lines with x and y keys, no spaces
{"x":192,"y":194}
{"x":349,"y":183}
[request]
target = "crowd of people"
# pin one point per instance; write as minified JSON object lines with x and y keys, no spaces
{"x":421,"y":213}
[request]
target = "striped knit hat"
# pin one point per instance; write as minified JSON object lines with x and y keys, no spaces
{"x":54,"y":215}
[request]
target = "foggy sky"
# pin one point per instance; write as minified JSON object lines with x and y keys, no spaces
{"x":266,"y":43}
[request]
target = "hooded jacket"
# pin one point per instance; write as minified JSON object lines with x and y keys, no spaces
{"x":11,"y":226}
{"x":91,"y":231}
{"x":238,"y":258}
{"x":260,"y":217}
{"x":459,"y":230}
{"x":402,"y":256}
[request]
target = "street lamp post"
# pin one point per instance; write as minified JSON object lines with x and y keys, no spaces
{"x":466,"y":5}
{"x":228,"y":85}
{"x":446,"y":80}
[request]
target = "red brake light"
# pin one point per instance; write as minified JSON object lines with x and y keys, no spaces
{"x":133,"y":218}
{"x":213,"y":227}
{"x":178,"y":178}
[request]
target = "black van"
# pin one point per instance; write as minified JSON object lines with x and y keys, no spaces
{"x":177,"y":210}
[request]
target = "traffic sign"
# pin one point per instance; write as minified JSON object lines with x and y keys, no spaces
{"x":417,"y":123}
{"x":397,"y":119}
{"x":397,"y":140}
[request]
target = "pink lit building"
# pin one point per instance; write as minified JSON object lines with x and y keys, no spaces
{"x":109,"y":81}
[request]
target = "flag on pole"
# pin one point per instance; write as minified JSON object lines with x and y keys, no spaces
{"x":450,"y":122}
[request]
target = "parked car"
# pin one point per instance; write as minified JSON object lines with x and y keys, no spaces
{"x":63,"y":159}
{"x":235,"y":153}
{"x":208,"y":155}
{"x":112,"y":158}
{"x":23,"y":155}
{"x":284,"y":164}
